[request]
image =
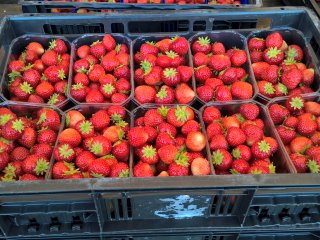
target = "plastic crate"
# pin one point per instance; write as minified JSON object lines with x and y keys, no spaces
{"x":313,"y":4}
{"x":116,"y":201}
{"x":31,"y":6}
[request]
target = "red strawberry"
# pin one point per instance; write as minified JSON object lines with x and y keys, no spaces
{"x":312,"y":107}
{"x":202,"y":73}
{"x":278,"y":113}
{"x":219,"y":62}
{"x":180,"y":166}
{"x":200,"y":167}
{"x":307,"y":124}
{"x":213,"y":83}
{"x":274,"y":40}
{"x":242,"y":152}
{"x":241,"y":90}
{"x":200,"y":59}
{"x":100,"y":146}
{"x":149,"y":154}
{"x":286,"y":134}
{"x":180,"y":45}
{"x":109,"y":42}
{"x":84,"y":160}
{"x":256,"y":56}
{"x":165,"y":95}
{"x":238,"y":58}
{"x":13,"y":129}
{"x":210,"y":114}
{"x":258,"y":170}
{"x":164,"y":139}
{"x":70,"y":136}
{"x":62,"y":170}
{"x":185,"y":73}
{"x":94,"y":96}
{"x":36,"y":165}
{"x":273,"y":55}
{"x":152,"y":118}
{"x":19,"y":154}
{"x":221,"y":159}
{"x":218,"y":142}
{"x":167,"y":153}
{"x":218,"y":48}
{"x":50,"y":58}
{"x":166,"y":127}
{"x":109,"y":63}
{"x":42,"y":149}
{"x":249,"y":111}
{"x":178,"y":115}
{"x":97,"y":49}
{"x":266,"y":89}
{"x":259,"y":69}
{"x":99,"y":168}
{"x":32,"y":77}
{"x":64,"y":152}
{"x":145,"y":94}
{"x":240,"y":166}
{"x":100,"y":120}
{"x":201,"y":45}
{"x":143,"y":170}
{"x":291,"y":122}
{"x":205,"y":93}
{"x":164,"y":45}
{"x":300,"y":144}
{"x":58,"y":46}
{"x":261,"y":149}
{"x":214,"y":128}
{"x":83,"y":51}
{"x":4,"y":160}
{"x":308,"y":76}
{"x":294,"y":52}
{"x":228,"y":76}
{"x":190,"y":126}
{"x":29,"y":177}
{"x":256,"y":44}
{"x":291,"y":78}
{"x":235,"y":136}
{"x":195,"y":141}
{"x":170,"y":77}
{"x":137,"y":136}
{"x":300,"y":162}
{"x":36,"y":47}
{"x":184,"y":94}
{"x":149,"y":48}
{"x":45,"y":90}
{"x":121,"y":151}
{"x":223,"y":93}
{"x":295,"y":104}
{"x":78,"y":92}
{"x":119,"y":170}
{"x":47,"y":136}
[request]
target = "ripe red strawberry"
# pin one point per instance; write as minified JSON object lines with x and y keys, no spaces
{"x":210,"y":114}
{"x":200,"y":167}
{"x":205,"y":93}
{"x":291,"y":122}
{"x":165,"y":95}
{"x":179,"y":45}
{"x":256,"y":56}
{"x":200,"y":59}
{"x":240,"y":166}
{"x":99,"y":168}
{"x":4,"y":160}
{"x":294,"y":52}
{"x":201,"y":45}
{"x":228,"y":76}
{"x":231,"y":121}
{"x":29,"y":177}
{"x":83,"y":51}
{"x":218,"y":142}
{"x":242,"y":152}
{"x":36,"y":165}
{"x":121,"y":151}
{"x":70,"y":136}
{"x":308,"y":76}
{"x":214,"y":128}
{"x":50,"y":58}
{"x":149,"y":48}
{"x":84,"y":160}
{"x":58,"y":46}
{"x":221,"y":159}
{"x":256,"y":44}
{"x":249,"y":111}
{"x":300,"y":162}
{"x":16,"y":66}
{"x":190,"y":126}
{"x":274,"y":40}
{"x":137,"y":136}
{"x":145,"y":94}
{"x":278,"y":113}
{"x":291,"y":78}
{"x":32,"y":77}
{"x":143,"y":170}
{"x":62,"y":170}
{"x":266,"y":89}
{"x":164,"y":45}
{"x":109,"y":42}
{"x":85,"y":128}
{"x":97,"y":49}
{"x":81,"y":65}
{"x":185,"y":73}
{"x":219,"y":62}
{"x":241,"y":90}
{"x":119,"y":170}
{"x":164,"y":139}
{"x":184,"y":94}
{"x":235,"y":136}
{"x":19,"y":154}
{"x":36,"y":47}
{"x":29,"y":56}
{"x":100,"y":120}
{"x":177,"y":116}
{"x":286,"y":134}
{"x":152,"y":118}
{"x":166,"y":127}
{"x":100,"y":146}
{"x":13,"y":129}
{"x":109,"y":63}
{"x":218,"y":48}
{"x":167,"y":153}
{"x":48,"y":118}
{"x":300,"y":144}
{"x":78,"y":92}
{"x":28,"y":137}
{"x":45,"y":90}
{"x":47,"y":136}
{"x":295,"y":104}
{"x":238,"y":58}
{"x":64,"y":152}
{"x":223,"y":94}
{"x":42,"y":149}
{"x":94,"y":96}
{"x":22,"y":91}
{"x":273,"y":55}
{"x":258,"y":170}
{"x":307,"y":124}
{"x":261,"y":149}
{"x":149,"y":154}
{"x":180,"y":167}
{"x":202,"y":73}
{"x":170,"y":77}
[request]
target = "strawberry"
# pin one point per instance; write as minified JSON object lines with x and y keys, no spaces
{"x":180,"y":167}
{"x":13,"y":129}
{"x":185,"y":73}
{"x":167,"y":153}
{"x":241,"y":90}
{"x":100,"y":146}
{"x":36,"y":47}
{"x":64,"y":152}
{"x":29,"y":177}
{"x":73,"y":117}
{"x":249,"y":111}
{"x":219,"y":62}
{"x":274,"y":40}
{"x":221,"y":159}
{"x":100,"y":120}
{"x":164,"y":45}
{"x":32,"y":77}
{"x":196,"y":141}
{"x":238,"y":58}
{"x":184,"y":94}
{"x":143,"y":170}
{"x":42,"y":149}
{"x":99,"y":168}
{"x":47,"y":136}
{"x":121,"y":151}
{"x":166,"y":127}
{"x":85,"y":128}
{"x":149,"y":48}
{"x":58,"y":46}
{"x":295,"y":103}
{"x":235,"y":136}
{"x":261,"y":149}
{"x":145,"y":94}
{"x":108,"y":42}
{"x":280,"y":90}
{"x":36,"y":165}
{"x":50,"y":58}
{"x":109,"y":63}
{"x":201,"y":45}
{"x":258,"y":170}
{"x":28,"y":137}
{"x":205,"y":93}
{"x":149,"y":154}
{"x":278,"y":113}
{"x":307,"y":76}
{"x":179,"y":115}
{"x":45,"y":90}
{"x":19,"y":154}
{"x":164,"y":139}
{"x":256,"y":56}
{"x":300,"y":162}
{"x":62,"y":170}
{"x":256,"y":44}
{"x":179,"y":45}
{"x":200,"y":59}
{"x":240,"y":166}
{"x":137,"y":136}
{"x":170,"y":77}
{"x":241,"y":152}
{"x":231,"y":121}
{"x":165,"y":95}
{"x":223,"y":94}
{"x":94,"y":96}
{"x":152,"y":118}
{"x":214,"y":128}
{"x":97,"y":49}
{"x":273,"y":55}
{"x":84,"y":160}
{"x":218,"y":142}
{"x":200,"y":167}
{"x":190,"y":126}
{"x":286,"y":134}
{"x":4,"y":160}
{"x":70,"y":136}
{"x":202,"y":73}
{"x":228,"y":76}
{"x":291,"y":122}
{"x":291,"y":78}
{"x":119,"y":170}
{"x":312,"y":107}
{"x":307,"y":124}
{"x":294,"y":52}
{"x":218,"y":48}
{"x":83,"y":51}
{"x":210,"y":114}
{"x":78,"y":92}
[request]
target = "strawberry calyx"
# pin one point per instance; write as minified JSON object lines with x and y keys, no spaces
{"x":146,"y":67}
{"x":117,"y":48}
{"x":59,"y":59}
{"x":124,"y":173}
{"x":43,"y":117}
{"x":217,"y":157}
{"x":272,"y":168}
{"x":10,"y":172}
{"x":289,"y":61}
{"x":256,"y":171}
{"x":83,"y":70}
{"x":86,"y":127}
{"x":181,"y":113}
{"x":18,"y":125}
{"x":236,"y":153}
{"x":291,"y":53}
{"x":296,"y":103}
{"x":72,"y":170}
{"x":25,"y":68}
{"x":26,"y":87}
{"x":41,"y":167}
{"x":240,"y":118}
{"x":121,"y":123}
{"x":162,"y":94}
{"x":96,"y":175}
{"x":149,"y":151}
{"x":203,"y":41}
{"x":273,"y":52}
{"x":232,"y":171}
{"x":65,"y":151}
{"x":163,"y":110}
{"x":171,"y":54}
{"x":115,"y":117}
{"x":61,"y":74}
{"x":23,"y":56}
{"x":108,"y":88}
{"x":170,"y":72}
{"x":264,"y":146}
{"x":52,"y":44}
{"x":151,"y":43}
{"x":182,"y":158}
{"x":77,"y":86}
{"x":269,"y":89}
{"x":282,"y":88}
{"x":42,"y":129}
{"x":54,"y":98}
{"x":5,"y":118}
{"x":95,"y":43}
{"x":96,"y":148}
{"x":43,"y":77}
{"x":313,"y":166}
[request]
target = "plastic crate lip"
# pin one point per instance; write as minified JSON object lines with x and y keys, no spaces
{"x":268,"y":124}
{"x":158,"y":37}
{"x":315,"y":95}
{"x":314,"y":60}
{"x":248,"y":63}
{"x":5,"y":70}
{"x":155,"y":106}
{"x":73,"y":58}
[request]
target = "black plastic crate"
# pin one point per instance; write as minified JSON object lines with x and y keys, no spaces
{"x":41,"y":6}
{"x":313,"y":4}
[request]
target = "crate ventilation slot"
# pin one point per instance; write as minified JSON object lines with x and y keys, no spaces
{"x":214,"y":238}
{"x":158,"y":26}
{"x":235,"y":24}
{"x":73,"y":29}
{"x":118,"y":209}
{"x":223,"y":205}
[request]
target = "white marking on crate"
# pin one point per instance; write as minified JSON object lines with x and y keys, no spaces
{"x":181,"y":207}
